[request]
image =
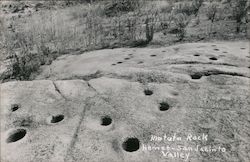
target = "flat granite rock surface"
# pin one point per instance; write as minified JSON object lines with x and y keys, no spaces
{"x":188,"y":102}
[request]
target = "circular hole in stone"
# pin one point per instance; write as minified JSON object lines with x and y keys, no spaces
{"x":213,"y":58}
{"x":127,"y":58}
{"x":225,"y":52}
{"x":113,"y":64}
{"x":16,"y":135}
{"x":213,"y":45}
{"x":130,"y":54}
{"x":196,"y":76}
{"x":15,"y":107}
{"x":148,"y":92}
{"x":131,"y":144}
{"x":163,"y":51}
{"x":216,"y":49}
{"x":140,"y":62}
{"x":119,"y":62}
{"x":164,"y":106}
{"x":196,"y":55}
{"x":57,"y":118}
{"x":106,"y":120}
{"x":152,"y":55}
{"x":242,"y":48}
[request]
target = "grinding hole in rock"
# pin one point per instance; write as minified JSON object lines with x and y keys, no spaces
{"x":196,"y":76}
{"x":113,"y":64}
{"x":16,"y":135}
{"x":152,"y":55}
{"x":131,"y":144}
{"x":164,"y":106}
{"x":126,"y":58}
{"x":14,"y":107}
{"x":196,"y":55}
{"x":106,"y":120}
{"x":148,"y":92}
{"x":213,"y":58}
{"x":216,"y":49}
{"x":57,"y":118}
{"x":140,"y":62}
{"x":119,"y":62}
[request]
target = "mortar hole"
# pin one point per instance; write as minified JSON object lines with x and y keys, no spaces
{"x":164,"y":106}
{"x":213,"y":58}
{"x":196,"y":55}
{"x":16,"y":135}
{"x":131,"y":145}
{"x":119,"y":62}
{"x":106,"y":120}
{"x":140,"y":62}
{"x":148,"y":92}
{"x":152,"y":55}
{"x":216,"y":49}
{"x":127,"y":58}
{"x":15,"y":107}
{"x":113,"y":64}
{"x":196,"y":76}
{"x":242,"y":48}
{"x":57,"y":118}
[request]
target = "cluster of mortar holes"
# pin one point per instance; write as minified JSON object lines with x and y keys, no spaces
{"x":56,"y":118}
{"x":213,"y":58}
{"x":196,"y":55}
{"x":196,"y":76}
{"x":106,"y":120}
{"x":16,"y":135}
{"x":148,"y":92}
{"x":164,"y":106}
{"x":153,"y":55}
{"x":15,"y":107}
{"x":131,"y":144}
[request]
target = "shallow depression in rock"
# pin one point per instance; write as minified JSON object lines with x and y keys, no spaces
{"x":106,"y":120}
{"x":16,"y":135}
{"x":131,"y":144}
{"x":57,"y":118}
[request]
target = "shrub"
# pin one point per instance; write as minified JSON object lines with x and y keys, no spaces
{"x":181,"y":21}
{"x":212,"y":10}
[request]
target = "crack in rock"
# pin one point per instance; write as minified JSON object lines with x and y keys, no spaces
{"x":58,"y":90}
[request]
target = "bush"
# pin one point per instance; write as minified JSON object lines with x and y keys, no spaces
{"x":116,"y":7}
{"x":181,"y":21}
{"x":212,"y":10}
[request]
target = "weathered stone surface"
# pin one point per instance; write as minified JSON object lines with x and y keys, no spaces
{"x":173,"y":93}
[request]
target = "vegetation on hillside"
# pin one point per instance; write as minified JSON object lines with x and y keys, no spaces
{"x":37,"y":38}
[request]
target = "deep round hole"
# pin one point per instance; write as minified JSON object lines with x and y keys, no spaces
{"x":127,"y":58}
{"x":196,"y":76}
{"x":106,"y":120}
{"x":140,"y":62}
{"x":164,"y":106}
{"x":119,"y":62}
{"x":131,"y":144}
{"x":113,"y":64}
{"x":57,"y":118}
{"x":196,"y":55}
{"x":148,"y":92}
{"x":216,"y":49}
{"x":213,"y":58}
{"x":242,"y":48}
{"x":15,"y":107}
{"x":16,"y":135}
{"x":152,"y":55}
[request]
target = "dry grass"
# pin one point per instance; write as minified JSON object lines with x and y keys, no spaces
{"x":47,"y":34}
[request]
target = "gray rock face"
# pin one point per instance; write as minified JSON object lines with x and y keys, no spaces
{"x":167,"y":104}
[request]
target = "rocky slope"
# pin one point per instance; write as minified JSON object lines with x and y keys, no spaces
{"x":187,"y":102}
